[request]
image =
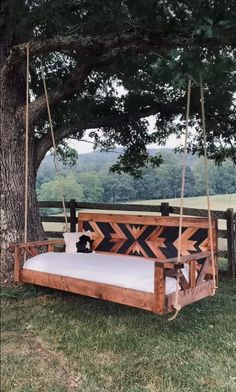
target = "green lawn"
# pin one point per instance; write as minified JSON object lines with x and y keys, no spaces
{"x":58,"y":342}
{"x":218,"y":202}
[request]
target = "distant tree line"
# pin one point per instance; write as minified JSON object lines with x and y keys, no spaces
{"x":90,"y":180}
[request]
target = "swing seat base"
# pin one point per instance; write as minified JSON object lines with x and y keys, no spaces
{"x":148,"y":238}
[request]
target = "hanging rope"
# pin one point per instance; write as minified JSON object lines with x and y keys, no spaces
{"x":56,"y":154}
{"x":26,"y":144}
{"x":207,"y":184}
{"x":176,"y":304}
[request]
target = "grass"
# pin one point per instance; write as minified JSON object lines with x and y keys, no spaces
{"x":58,"y":342}
{"x":218,"y":202}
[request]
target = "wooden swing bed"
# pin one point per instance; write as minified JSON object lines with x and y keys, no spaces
{"x":140,"y":256}
{"x":152,"y":238}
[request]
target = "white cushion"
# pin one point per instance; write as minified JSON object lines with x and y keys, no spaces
{"x":72,"y":238}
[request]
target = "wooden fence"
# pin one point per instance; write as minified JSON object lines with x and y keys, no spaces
{"x":164,"y":209}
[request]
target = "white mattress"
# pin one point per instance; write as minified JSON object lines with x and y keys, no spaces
{"x":124,"y":271}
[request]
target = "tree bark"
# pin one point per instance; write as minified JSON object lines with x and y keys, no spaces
{"x":12,"y":163}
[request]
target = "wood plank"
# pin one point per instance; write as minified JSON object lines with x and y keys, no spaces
{"x":37,"y":243}
{"x":50,"y":248}
{"x":119,"y":207}
{"x":223,"y":253}
{"x":169,"y":221}
{"x":186,"y":297}
{"x":159,"y":289}
{"x":185,"y":259}
{"x":204,"y":270}
{"x":199,"y":212}
{"x":17,"y":263}
{"x":182,"y":281}
{"x":231,"y":241}
{"x":73,"y":219}
{"x":107,"y":292}
{"x":31,"y":250}
{"x":222,"y":233}
{"x":132,"y":207}
{"x":192,"y":273}
{"x":56,"y":219}
{"x":53,"y":234}
{"x":53,"y":204}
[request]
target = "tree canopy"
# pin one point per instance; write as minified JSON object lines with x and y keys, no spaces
{"x":111,"y":64}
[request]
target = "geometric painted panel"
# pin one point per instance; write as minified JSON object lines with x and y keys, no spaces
{"x":145,"y":240}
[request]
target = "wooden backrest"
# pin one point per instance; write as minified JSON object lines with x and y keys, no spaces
{"x":146,"y":236}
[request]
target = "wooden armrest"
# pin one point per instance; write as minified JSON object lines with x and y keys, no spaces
{"x":173,"y":262}
{"x":36,"y":243}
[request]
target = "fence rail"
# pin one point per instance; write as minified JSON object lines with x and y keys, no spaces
{"x":164,"y":209}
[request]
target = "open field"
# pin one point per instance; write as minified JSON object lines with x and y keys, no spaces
{"x":58,"y":342}
{"x":218,"y":202}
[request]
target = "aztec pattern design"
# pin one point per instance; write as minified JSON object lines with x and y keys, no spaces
{"x":145,"y":240}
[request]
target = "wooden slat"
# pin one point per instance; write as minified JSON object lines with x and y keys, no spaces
{"x":31,"y":250}
{"x":199,"y":212}
{"x":182,"y":281}
{"x":186,"y":297}
{"x":53,"y":234}
{"x":169,"y":221}
{"x":50,"y":248}
{"x":54,"y":218}
{"x":204,"y":270}
{"x":119,"y":207}
{"x":37,"y":243}
{"x":185,"y":259}
{"x":53,"y":204}
{"x":17,"y":262}
{"x":112,"y":293}
{"x":192,"y":271}
{"x":222,"y":233}
{"x":223,"y":253}
{"x":159,"y":289}
{"x":133,"y":207}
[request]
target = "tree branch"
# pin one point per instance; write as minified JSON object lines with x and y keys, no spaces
{"x":73,"y":84}
{"x":140,"y":41}
{"x":45,"y":143}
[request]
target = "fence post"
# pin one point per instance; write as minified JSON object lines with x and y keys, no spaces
{"x":72,"y":215}
{"x":231,"y":246}
{"x":165,"y":209}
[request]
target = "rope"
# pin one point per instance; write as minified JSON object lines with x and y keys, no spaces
{"x":207,"y":184}
{"x":26,"y":144}
{"x":176,"y":304}
{"x":55,"y":148}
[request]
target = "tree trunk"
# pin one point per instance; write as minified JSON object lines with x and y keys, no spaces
{"x":12,"y":163}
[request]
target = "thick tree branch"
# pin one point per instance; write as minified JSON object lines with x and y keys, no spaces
{"x":106,"y":45}
{"x":44,"y":144}
{"x":74,"y":84}
{"x":101,"y":50}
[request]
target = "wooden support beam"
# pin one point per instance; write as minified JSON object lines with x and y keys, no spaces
{"x":165,"y":209}
{"x":186,"y":297}
{"x":112,"y":293}
{"x":204,"y":270}
{"x":17,"y":263}
{"x":192,"y":273}
{"x":231,"y":241}
{"x":73,"y":216}
{"x":37,"y":243}
{"x":159,"y":289}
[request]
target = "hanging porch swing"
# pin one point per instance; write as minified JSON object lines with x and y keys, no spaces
{"x":157,"y":263}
